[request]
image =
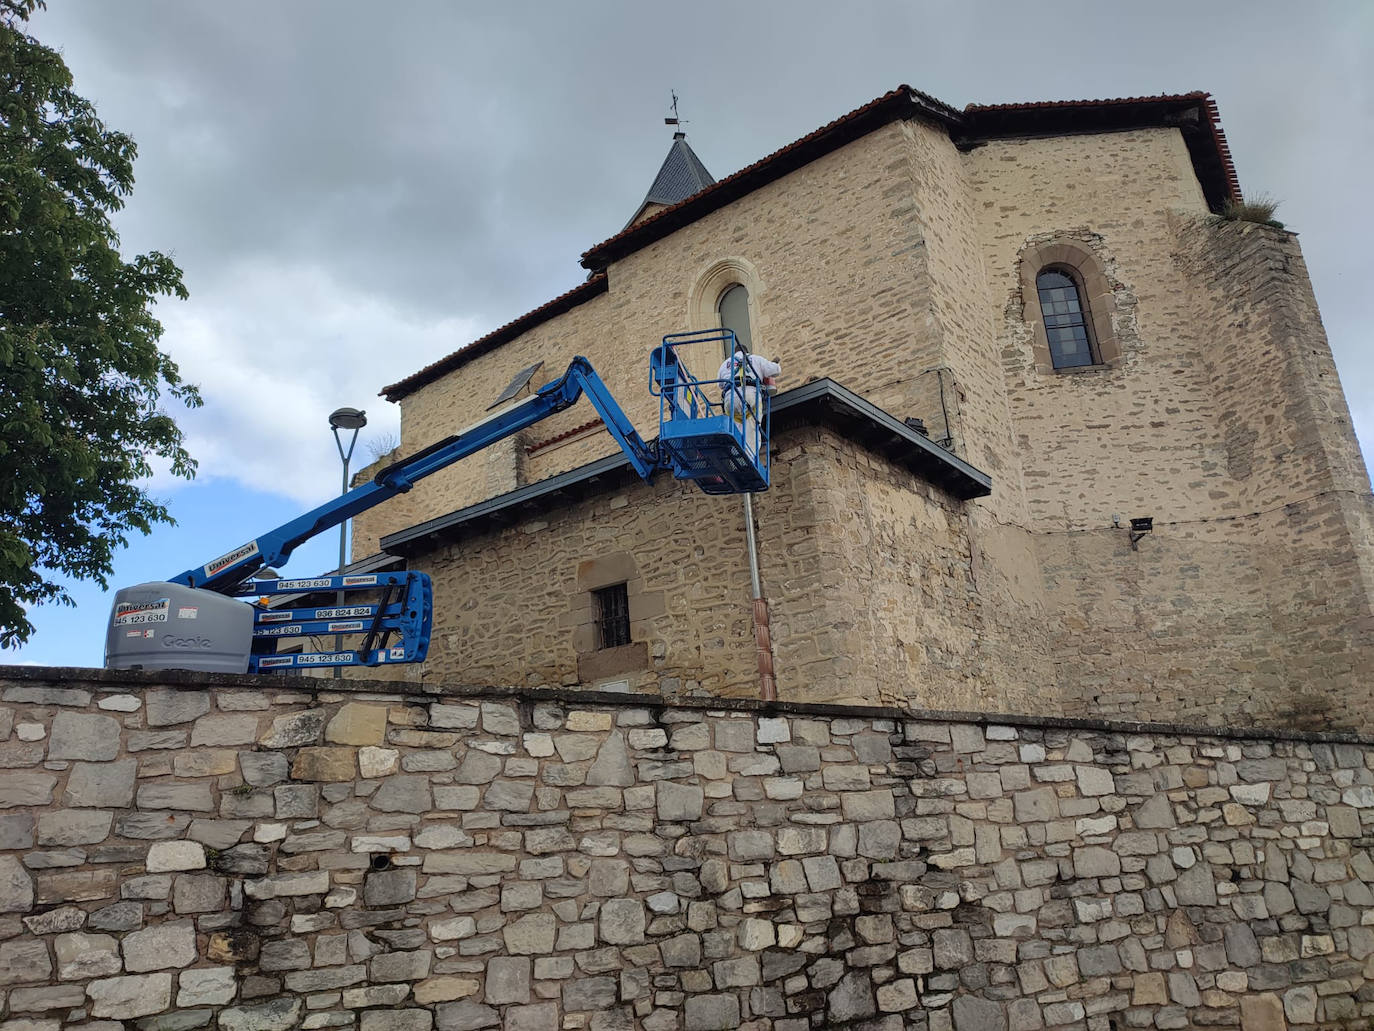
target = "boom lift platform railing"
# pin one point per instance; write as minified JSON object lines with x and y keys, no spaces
{"x":717,"y":436}
{"x":213,"y":618}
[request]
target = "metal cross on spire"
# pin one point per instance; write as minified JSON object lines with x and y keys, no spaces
{"x":675,"y":119}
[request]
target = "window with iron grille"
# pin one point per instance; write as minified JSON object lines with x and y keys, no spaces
{"x":612,"y":616}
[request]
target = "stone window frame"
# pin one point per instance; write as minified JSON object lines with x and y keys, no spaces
{"x":612,"y":608}
{"x":1094,"y":294}
{"x":594,"y":662}
{"x":703,"y":300}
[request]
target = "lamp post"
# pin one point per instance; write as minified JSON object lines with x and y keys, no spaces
{"x":344,"y":419}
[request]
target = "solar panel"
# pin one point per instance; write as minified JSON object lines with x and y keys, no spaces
{"x":519,"y":383}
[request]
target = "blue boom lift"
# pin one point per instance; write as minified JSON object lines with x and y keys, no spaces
{"x":212,"y":617}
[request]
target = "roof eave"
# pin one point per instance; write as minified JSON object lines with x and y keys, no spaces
{"x":1195,"y":115}
{"x":835,"y":404}
{"x":902,"y":102}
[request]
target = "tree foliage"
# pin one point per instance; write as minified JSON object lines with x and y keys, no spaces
{"x":81,"y":376}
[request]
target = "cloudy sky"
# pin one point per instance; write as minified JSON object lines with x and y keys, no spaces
{"x":356,"y":189}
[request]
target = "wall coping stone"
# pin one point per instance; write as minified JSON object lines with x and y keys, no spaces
{"x":66,"y":676}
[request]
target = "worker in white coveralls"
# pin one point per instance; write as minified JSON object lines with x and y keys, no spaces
{"x":741,"y":376}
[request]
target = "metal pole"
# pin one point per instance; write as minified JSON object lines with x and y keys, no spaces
{"x":343,"y":527}
{"x":763,"y":640}
{"x":752,"y":546}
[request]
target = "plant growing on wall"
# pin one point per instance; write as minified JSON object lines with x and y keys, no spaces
{"x":82,"y":381}
{"x":384,"y":446}
{"x":1261,"y":209}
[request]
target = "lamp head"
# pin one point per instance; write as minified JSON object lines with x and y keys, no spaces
{"x":347,"y":419}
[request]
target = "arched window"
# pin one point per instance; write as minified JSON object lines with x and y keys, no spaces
{"x":730,"y":294}
{"x":733,"y":308}
{"x":1073,"y":305}
{"x":1066,"y":319}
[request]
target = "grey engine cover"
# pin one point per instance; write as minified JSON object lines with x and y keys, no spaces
{"x":171,"y":626}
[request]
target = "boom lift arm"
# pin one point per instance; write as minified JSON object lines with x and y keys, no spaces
{"x":273,"y":548}
{"x":187,"y":623}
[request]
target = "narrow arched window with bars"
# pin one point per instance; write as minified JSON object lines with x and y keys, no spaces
{"x":1067,"y":326}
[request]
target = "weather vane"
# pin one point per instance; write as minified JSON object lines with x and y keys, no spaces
{"x":675,"y":120}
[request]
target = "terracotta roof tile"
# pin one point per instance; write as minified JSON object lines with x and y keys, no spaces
{"x":539,"y":445}
{"x":1216,"y":138}
{"x":1033,"y":104}
{"x":725,"y":190}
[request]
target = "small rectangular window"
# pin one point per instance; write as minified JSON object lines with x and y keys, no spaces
{"x":612,"y":616}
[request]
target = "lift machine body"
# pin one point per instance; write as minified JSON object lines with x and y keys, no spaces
{"x":214,"y":618}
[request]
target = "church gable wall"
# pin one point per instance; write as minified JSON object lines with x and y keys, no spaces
{"x":843,"y":288}
{"x":460,"y":399}
{"x":1218,"y":414}
{"x":1101,"y":439}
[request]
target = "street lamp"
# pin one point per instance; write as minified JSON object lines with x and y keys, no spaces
{"x":344,"y":419}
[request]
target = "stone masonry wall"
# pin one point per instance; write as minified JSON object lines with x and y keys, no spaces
{"x":1255,"y":588}
{"x":884,"y":591}
{"x":267,"y":854}
{"x":839,"y":529}
{"x":448,"y":405}
{"x":897,"y":255}
{"x":907,"y":613}
{"x":1102,"y":440}
{"x":511,"y":607}
{"x":846,"y":218}
{"x":1223,"y":420}
{"x":1311,"y":508}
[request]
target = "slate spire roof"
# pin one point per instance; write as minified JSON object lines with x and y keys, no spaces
{"x":682,"y":175}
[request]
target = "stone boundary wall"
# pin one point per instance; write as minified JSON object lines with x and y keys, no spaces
{"x":182,"y":851}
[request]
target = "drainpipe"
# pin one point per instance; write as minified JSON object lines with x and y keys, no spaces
{"x":763,"y":641}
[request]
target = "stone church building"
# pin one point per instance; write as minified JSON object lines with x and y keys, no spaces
{"x":1006,"y":333}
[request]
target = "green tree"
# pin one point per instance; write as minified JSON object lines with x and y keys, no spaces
{"x":81,"y":376}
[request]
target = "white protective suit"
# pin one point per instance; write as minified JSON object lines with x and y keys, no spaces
{"x":745,"y":396}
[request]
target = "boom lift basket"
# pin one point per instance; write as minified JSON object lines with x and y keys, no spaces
{"x":714,"y":431}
